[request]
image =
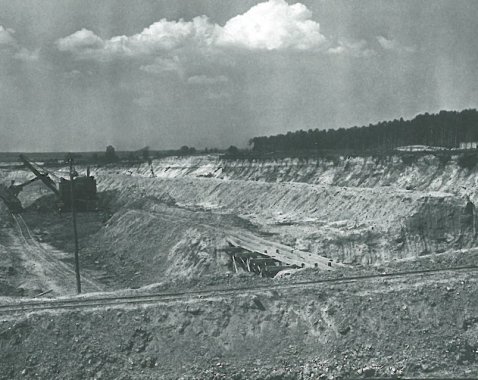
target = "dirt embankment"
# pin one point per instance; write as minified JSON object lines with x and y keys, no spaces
{"x":427,"y":173}
{"x":359,"y":211}
{"x":355,"y":210}
{"x":419,"y":326}
{"x":149,"y":241}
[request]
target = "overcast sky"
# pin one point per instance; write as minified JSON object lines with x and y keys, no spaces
{"x":78,"y":75}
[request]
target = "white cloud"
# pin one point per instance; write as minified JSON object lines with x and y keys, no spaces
{"x":168,"y":35}
{"x":386,"y":43}
{"x":361,"y":48}
{"x":162,"y":36}
{"x":81,"y":40}
{"x":394,"y":45}
{"x":6,"y":37}
{"x":84,"y":44}
{"x":207,"y":80}
{"x":26,"y":55}
{"x":336,"y":50}
{"x":273,"y":25}
{"x":355,"y":48}
{"x":9,"y":43}
{"x":165,"y":65}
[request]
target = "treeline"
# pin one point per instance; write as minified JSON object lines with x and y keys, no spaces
{"x":445,"y":129}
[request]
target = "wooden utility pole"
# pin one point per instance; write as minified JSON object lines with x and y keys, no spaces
{"x":75,"y":231}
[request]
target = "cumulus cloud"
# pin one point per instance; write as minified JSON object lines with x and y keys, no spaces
{"x":271,"y":25}
{"x":162,"y":36}
{"x":207,"y":80}
{"x":359,"y":48}
{"x":394,"y":45}
{"x":83,"y":39}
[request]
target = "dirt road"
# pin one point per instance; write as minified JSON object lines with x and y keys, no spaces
{"x":46,"y":264}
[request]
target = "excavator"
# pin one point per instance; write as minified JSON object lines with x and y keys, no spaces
{"x":84,"y":189}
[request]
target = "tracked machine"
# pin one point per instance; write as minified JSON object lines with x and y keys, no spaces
{"x":84,"y":187}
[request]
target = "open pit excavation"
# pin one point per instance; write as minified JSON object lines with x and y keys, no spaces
{"x":238,"y":190}
{"x":321,"y":269}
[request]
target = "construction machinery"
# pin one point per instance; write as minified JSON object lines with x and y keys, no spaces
{"x":83,"y":187}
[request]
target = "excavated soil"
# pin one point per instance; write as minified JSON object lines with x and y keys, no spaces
{"x":409,"y":327}
{"x":164,"y":228}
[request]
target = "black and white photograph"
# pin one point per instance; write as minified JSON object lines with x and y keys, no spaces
{"x":238,"y":189}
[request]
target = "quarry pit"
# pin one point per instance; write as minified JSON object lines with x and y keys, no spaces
{"x":246,"y":268}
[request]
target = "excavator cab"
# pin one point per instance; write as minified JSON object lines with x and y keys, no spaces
{"x":84,"y":190}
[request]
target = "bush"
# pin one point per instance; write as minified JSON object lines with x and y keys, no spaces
{"x":232,"y":150}
{"x":444,"y":158}
{"x":409,"y":159}
{"x":110,"y":155}
{"x":186,"y":150}
{"x":468,"y":160}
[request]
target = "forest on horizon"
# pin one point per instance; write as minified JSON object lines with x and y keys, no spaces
{"x":445,"y":129}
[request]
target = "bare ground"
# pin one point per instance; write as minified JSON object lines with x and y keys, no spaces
{"x":167,"y":234}
{"x":415,"y":326}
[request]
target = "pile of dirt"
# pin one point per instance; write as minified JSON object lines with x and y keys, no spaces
{"x":148,"y":241}
{"x":131,"y":242}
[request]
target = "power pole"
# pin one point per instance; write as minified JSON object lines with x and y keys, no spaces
{"x":75,"y":231}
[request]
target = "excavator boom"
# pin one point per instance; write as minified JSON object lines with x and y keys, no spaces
{"x":16,"y":189}
{"x":41,"y":174}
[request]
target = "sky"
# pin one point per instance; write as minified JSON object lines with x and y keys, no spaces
{"x":78,"y":75}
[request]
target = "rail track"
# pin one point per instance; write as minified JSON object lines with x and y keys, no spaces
{"x":80,"y":303}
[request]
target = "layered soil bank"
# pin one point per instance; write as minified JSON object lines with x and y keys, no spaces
{"x":354,"y":210}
